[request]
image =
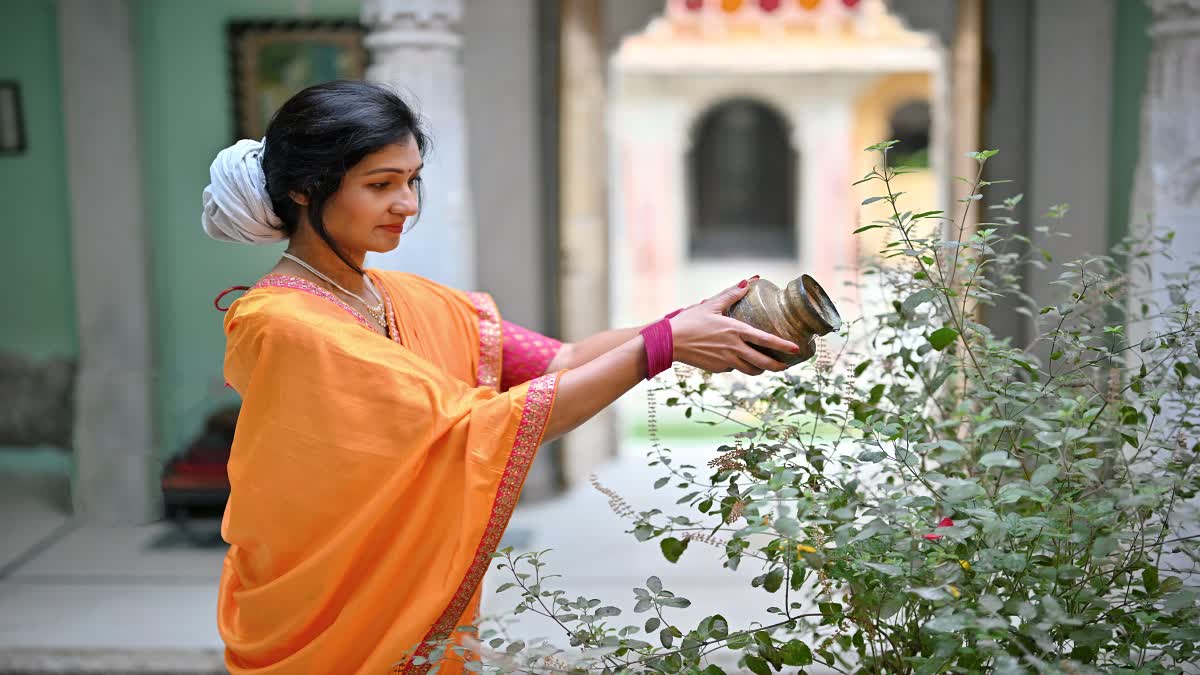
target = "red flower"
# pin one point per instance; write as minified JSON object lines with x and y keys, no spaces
{"x":945,"y":522}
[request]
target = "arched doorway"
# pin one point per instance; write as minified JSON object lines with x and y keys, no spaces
{"x":741,"y":183}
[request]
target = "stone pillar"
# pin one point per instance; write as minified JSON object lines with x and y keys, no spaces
{"x":824,"y":136}
{"x":1070,"y":111}
{"x":966,"y":56}
{"x":583,"y":217}
{"x":647,"y":150}
{"x":416,"y":47}
{"x":1167,"y":183}
{"x":115,"y":461}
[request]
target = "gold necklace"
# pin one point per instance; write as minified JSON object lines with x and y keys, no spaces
{"x":377,"y":312}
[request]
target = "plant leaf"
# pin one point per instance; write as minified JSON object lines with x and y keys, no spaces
{"x":757,"y":665}
{"x":1044,"y":474}
{"x":773,"y":580}
{"x":942,"y":337}
{"x":672,"y":548}
{"x":886,"y":568}
{"x":796,"y":653}
{"x":919,"y":298}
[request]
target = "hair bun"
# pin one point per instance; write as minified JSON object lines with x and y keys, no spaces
{"x":237,"y":206}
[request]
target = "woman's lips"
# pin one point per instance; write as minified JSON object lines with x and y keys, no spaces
{"x":395,"y":229}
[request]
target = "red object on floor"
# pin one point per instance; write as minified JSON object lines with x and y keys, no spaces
{"x":199,"y":467}
{"x":197,"y":480}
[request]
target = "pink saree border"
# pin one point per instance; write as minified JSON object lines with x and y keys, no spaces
{"x":296,"y":283}
{"x":539,"y":401}
{"x":490,"y":340}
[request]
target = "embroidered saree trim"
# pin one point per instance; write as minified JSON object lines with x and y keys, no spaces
{"x":286,"y":281}
{"x":296,"y":283}
{"x":539,"y":400}
{"x":490,"y":341}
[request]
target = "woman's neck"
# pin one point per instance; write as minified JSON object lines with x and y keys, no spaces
{"x":314,"y":251}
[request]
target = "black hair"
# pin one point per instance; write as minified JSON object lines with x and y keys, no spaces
{"x":321,"y":133}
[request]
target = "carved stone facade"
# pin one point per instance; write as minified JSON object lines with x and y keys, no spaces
{"x":416,"y":47}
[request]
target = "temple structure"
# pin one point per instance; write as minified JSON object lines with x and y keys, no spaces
{"x":737,"y":131}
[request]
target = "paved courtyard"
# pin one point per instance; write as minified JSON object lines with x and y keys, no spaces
{"x":77,"y":599}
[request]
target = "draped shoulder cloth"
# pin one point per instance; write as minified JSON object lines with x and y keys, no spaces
{"x":371,"y":477}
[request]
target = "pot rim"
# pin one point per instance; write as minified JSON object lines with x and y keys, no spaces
{"x":821,"y":305}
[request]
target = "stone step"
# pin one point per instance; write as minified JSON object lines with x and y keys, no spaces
{"x":111,"y":662}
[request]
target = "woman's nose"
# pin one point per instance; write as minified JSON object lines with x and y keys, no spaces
{"x":405,"y":206}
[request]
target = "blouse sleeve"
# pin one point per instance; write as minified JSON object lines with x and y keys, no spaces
{"x":527,"y":354}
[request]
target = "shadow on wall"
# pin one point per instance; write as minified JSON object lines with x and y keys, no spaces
{"x":37,"y":402}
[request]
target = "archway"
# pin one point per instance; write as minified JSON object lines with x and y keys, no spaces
{"x":741,"y":183}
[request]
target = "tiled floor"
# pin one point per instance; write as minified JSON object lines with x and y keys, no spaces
{"x":33,"y":507}
{"x":66,"y":588}
{"x":90,"y":599}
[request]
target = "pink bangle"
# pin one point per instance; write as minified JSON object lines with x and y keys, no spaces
{"x":660,"y":347}
{"x":674,"y":314}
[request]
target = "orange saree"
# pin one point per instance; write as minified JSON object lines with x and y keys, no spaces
{"x":371,"y":478}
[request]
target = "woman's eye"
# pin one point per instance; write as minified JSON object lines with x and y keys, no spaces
{"x":378,"y":186}
{"x":414,"y":180}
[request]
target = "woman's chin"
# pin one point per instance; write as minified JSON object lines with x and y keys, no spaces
{"x":380,"y":245}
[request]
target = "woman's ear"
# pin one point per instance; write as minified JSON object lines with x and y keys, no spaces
{"x":301,"y":199}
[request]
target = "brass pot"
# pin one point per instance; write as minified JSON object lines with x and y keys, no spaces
{"x":800,"y":313}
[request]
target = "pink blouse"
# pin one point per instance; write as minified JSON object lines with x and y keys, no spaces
{"x":526,"y":355}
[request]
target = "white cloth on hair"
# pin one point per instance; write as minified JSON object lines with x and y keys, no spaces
{"x":237,"y":206}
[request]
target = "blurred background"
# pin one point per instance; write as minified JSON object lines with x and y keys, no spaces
{"x":595,"y":163}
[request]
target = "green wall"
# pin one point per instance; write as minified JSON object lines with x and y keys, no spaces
{"x":187,"y":118}
{"x":36,"y":286}
{"x":1131,"y":50}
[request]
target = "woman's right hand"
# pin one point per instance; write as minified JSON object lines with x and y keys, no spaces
{"x":705,"y":338}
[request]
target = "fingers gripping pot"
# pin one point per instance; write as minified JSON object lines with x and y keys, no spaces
{"x":800,"y":313}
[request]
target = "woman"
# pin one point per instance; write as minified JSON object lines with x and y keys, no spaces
{"x":387,"y":422}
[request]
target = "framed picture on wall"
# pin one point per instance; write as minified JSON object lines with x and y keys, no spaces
{"x":12,"y":120}
{"x":272,"y":60}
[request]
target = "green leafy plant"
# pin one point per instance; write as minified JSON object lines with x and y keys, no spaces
{"x":927,"y":497}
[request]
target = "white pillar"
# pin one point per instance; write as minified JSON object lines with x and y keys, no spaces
{"x":115,"y":462}
{"x":1167,"y":184}
{"x":416,"y":47}
{"x":583,"y":214}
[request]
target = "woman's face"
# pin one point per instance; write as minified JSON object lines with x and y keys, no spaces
{"x":376,"y":197}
